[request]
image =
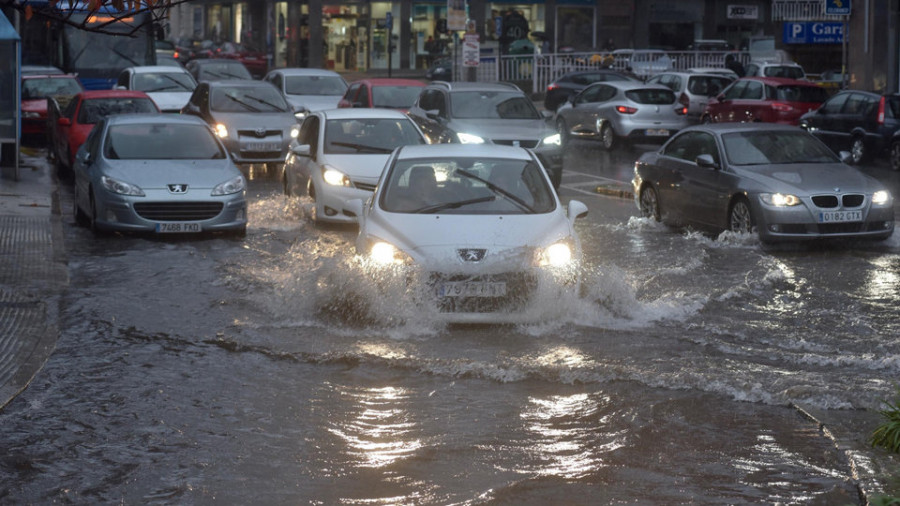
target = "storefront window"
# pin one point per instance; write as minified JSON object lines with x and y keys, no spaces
{"x":379,"y":40}
{"x":575,"y":28}
{"x":339,"y":26}
{"x":429,"y":33}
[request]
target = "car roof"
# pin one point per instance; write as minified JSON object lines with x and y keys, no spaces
{"x":691,"y":73}
{"x":389,"y":81}
{"x":780,"y":81}
{"x":575,"y":73}
{"x":730,"y":127}
{"x":362,"y":113}
{"x":148,"y":69}
{"x":453,"y":151}
{"x":143,"y":118}
{"x":475,"y":86}
{"x":306,"y":72}
{"x":91,"y":94}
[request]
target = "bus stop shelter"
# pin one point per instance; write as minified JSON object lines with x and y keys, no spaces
{"x":10,"y":97}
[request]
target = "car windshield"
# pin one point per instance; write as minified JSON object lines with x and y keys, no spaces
{"x":783,"y":71}
{"x":247,"y":99}
{"x":811,"y":94}
{"x":463,"y":185}
{"x":213,"y":71}
{"x":367,"y":136}
{"x":395,"y":97}
{"x":164,"y":81}
{"x":651,"y":96}
{"x":95,"y":109}
{"x":761,"y":147}
{"x":315,"y":85}
{"x":33,"y":89}
{"x":492,"y":105}
{"x":161,"y":141}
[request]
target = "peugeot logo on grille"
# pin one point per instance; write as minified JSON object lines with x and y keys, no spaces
{"x":178,"y":188}
{"x":260,"y":132}
{"x":471,"y":255}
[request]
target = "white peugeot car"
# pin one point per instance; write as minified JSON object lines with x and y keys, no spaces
{"x":476,"y":230}
{"x":339,"y":155}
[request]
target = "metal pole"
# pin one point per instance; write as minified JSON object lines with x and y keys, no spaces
{"x":844,"y":36}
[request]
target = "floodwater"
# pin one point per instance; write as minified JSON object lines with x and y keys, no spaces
{"x":271,"y":370}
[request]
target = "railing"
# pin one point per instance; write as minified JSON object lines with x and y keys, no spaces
{"x":542,"y":69}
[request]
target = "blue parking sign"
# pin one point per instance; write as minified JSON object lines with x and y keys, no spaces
{"x":837,"y":7}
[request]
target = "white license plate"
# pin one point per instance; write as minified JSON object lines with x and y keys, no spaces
{"x":178,"y":228}
{"x":657,"y":132}
{"x":472,"y":289}
{"x":840,"y":216}
{"x":261,"y":146}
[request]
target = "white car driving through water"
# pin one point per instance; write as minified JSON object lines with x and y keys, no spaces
{"x":477,"y":232}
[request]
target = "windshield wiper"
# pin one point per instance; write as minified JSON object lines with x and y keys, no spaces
{"x":245,"y":104}
{"x":176,"y":81}
{"x":496,"y":189}
{"x":124,"y":56}
{"x":453,"y":205}
{"x":236,"y":76}
{"x":266,"y":102}
{"x":362,"y":147}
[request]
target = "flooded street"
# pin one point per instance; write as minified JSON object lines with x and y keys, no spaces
{"x":275,"y":370}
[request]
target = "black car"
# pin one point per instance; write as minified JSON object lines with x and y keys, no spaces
{"x":860,"y":122}
{"x":569,"y":84}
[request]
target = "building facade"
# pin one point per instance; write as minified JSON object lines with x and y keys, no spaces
{"x":408,"y":34}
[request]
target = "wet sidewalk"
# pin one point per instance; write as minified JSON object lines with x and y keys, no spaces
{"x":33,"y":272}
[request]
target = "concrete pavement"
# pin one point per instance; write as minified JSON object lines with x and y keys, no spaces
{"x":33,"y":271}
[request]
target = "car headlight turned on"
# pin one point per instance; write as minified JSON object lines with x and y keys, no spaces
{"x":552,"y":140}
{"x":295,"y":131}
{"x":335,"y":177}
{"x":234,"y":185}
{"x":881,"y":197}
{"x":558,"y":254}
{"x":121,"y":187}
{"x":469,"y":138}
{"x":221,"y":131}
{"x":780,"y":199}
{"x":385,"y":254}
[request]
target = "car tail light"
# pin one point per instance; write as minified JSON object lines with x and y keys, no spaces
{"x":624,"y":109}
{"x":175,"y":55}
{"x":681,"y":111}
{"x":881,"y":111}
{"x":552,"y":86}
{"x":782,"y":107}
{"x":684,"y":100}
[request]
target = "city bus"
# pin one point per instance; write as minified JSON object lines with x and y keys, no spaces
{"x":96,"y":58}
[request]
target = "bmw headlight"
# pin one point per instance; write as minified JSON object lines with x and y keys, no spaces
{"x":469,"y":139}
{"x":553,"y":140}
{"x":780,"y":199}
{"x":335,"y":177}
{"x":881,"y":197}
{"x":221,"y":131}
{"x":121,"y":187}
{"x":558,"y":254}
{"x":234,"y":185}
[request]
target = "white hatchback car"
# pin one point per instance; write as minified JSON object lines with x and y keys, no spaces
{"x":478,"y":232}
{"x":339,"y":155}
{"x":309,"y":89}
{"x":170,"y":87}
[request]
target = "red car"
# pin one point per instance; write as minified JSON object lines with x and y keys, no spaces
{"x":766,"y":99}
{"x":36,"y":90}
{"x":71,"y":125}
{"x":382,"y":92}
{"x":255,"y":61}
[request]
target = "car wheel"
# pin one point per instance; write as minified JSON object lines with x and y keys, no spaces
{"x":607,"y":137}
{"x":739,"y":218}
{"x":650,"y":203}
{"x":81,"y":219}
{"x":858,"y":152}
{"x":895,"y":155}
{"x":563,"y":132}
{"x":92,"y":221}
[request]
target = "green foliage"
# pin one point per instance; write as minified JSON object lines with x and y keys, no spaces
{"x":884,"y":500}
{"x":887,"y":435}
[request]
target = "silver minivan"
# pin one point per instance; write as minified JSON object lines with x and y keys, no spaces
{"x":693,"y":89}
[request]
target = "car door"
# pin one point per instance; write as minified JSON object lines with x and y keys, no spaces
{"x":706,"y":190}
{"x":722,"y":109}
{"x":673,"y":161}
{"x":825,"y":122}
{"x":751,"y":105}
{"x":301,"y":163}
{"x":588,"y":106}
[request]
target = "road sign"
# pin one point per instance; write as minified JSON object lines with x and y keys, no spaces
{"x":471,"y":50}
{"x":809,"y":32}
{"x":837,"y":7}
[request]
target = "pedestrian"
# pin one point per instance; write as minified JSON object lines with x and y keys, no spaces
{"x":735,"y":66}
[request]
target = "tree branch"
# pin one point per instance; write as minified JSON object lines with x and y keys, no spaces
{"x":119,"y":12}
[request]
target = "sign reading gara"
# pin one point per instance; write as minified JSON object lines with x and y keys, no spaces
{"x":813,"y":32}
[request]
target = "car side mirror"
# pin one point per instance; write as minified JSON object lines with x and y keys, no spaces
{"x":707,"y":162}
{"x":301,"y":149}
{"x":577,"y":209}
